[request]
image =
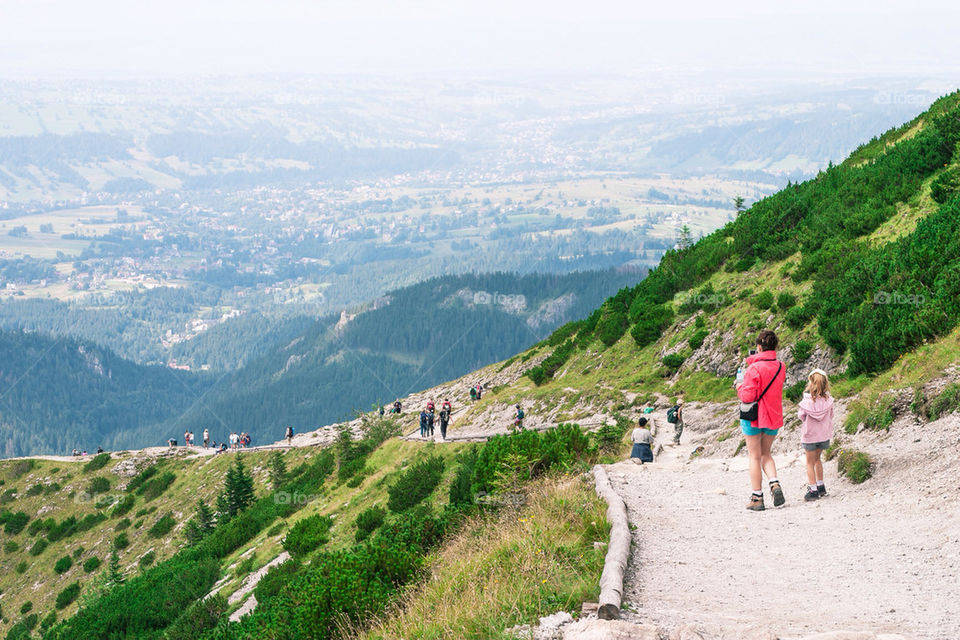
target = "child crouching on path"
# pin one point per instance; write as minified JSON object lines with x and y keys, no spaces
{"x":816,"y":413}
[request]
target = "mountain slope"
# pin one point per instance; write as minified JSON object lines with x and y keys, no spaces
{"x":57,"y":395}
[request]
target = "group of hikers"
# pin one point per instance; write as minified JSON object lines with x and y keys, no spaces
{"x":759,"y":387}
{"x":428,"y":418}
{"x":236,"y":440}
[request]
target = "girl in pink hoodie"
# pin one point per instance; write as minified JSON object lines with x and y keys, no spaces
{"x":816,"y":413}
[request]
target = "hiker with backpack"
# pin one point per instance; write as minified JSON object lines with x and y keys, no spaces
{"x":761,"y":416}
{"x":396,"y":407}
{"x":444,"y":419}
{"x":642,"y":439}
{"x":289,"y":436}
{"x":816,"y":412}
{"x":473,"y":393}
{"x":479,"y":391}
{"x":675,"y":417}
{"x":430,"y":420}
{"x":423,"y":424}
{"x":446,"y":406}
{"x":518,"y":419}
{"x":430,"y":406}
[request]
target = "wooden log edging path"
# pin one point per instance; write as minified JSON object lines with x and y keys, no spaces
{"x":618,"y":550}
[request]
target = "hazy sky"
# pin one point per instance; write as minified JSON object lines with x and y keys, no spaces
{"x":96,"y":37}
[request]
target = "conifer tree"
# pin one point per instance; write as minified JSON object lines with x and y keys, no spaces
{"x":238,"y":487}
{"x":115,"y":575}
{"x":278,"y":470}
{"x":200,"y":525}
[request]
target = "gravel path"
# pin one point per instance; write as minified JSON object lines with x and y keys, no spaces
{"x":880,"y":557}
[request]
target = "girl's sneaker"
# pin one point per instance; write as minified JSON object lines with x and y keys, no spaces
{"x":821,"y":490}
{"x":811,"y":495}
{"x":778,"y":498}
{"x":756,"y":503}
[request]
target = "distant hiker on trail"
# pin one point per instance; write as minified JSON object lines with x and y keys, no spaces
{"x":289,"y":435}
{"x":172,"y":443}
{"x":76,"y":454}
{"x":380,"y":409}
{"x":518,"y":419}
{"x":816,"y":412}
{"x":431,"y":407}
{"x":675,"y":417}
{"x":761,"y":416}
{"x":444,"y":419}
{"x":479,"y":391}
{"x":430,"y":419}
{"x":206,"y":438}
{"x":186,"y":438}
{"x":446,"y":406}
{"x":233,"y":439}
{"x":397,"y":407}
{"x":423,"y":424}
{"x":99,"y":450}
{"x":473,"y":393}
{"x":642,"y":439}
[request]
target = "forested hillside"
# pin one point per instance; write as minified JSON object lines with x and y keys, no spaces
{"x":57,"y":395}
{"x":417,"y":337}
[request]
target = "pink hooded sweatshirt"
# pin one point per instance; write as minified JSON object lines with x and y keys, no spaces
{"x":817,"y":417}
{"x":761,"y":368}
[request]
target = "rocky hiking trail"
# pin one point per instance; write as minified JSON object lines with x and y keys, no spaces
{"x":879,"y":559}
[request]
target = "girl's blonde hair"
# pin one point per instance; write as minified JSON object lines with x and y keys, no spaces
{"x":818,"y":385}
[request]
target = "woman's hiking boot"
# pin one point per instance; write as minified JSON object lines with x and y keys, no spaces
{"x":777,"y":492}
{"x":756,"y":503}
{"x":811,"y":495}
{"x":821,"y":490}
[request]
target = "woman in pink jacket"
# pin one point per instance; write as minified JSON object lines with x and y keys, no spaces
{"x":816,"y":412}
{"x":763,"y":384}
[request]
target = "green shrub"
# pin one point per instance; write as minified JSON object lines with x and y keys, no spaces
{"x":97,"y":463}
{"x":856,"y":465}
{"x":20,"y":467}
{"x":10,"y":547}
{"x":612,"y":326}
{"x":141,"y":478}
{"x":798,"y":317}
{"x":561,"y":447}
{"x":802,"y":350}
{"x":91,"y":564}
{"x":63,"y":565}
{"x":276,"y":578}
{"x":563,"y":332}
{"x":763,"y":300}
{"x":48,"y":621}
{"x":673,"y":361}
{"x":795,"y":391}
{"x":154,"y":487}
{"x":552,"y":363}
{"x":307,"y":534}
{"x":123,"y":524}
{"x":698,"y":337}
{"x":14,"y":523}
{"x":52,"y":488}
{"x":649,"y":321}
{"x":786,"y":300}
{"x":39,"y":547}
{"x":947,"y":401}
{"x":121,"y":541}
{"x":97,"y":485}
{"x":368,"y":521}
{"x":123,"y":507}
{"x":876,"y":417}
{"x":78,"y":552}
{"x":202,"y":615}
{"x":946,"y":185}
{"x":26,"y":607}
{"x":8,"y":496}
{"x":147,"y":559}
{"x":415,"y":484}
{"x":162,"y":526}
{"x":68,"y":595}
{"x":21,"y":567}
{"x":461,"y":492}
{"x":276,"y":529}
{"x":34,"y":490}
